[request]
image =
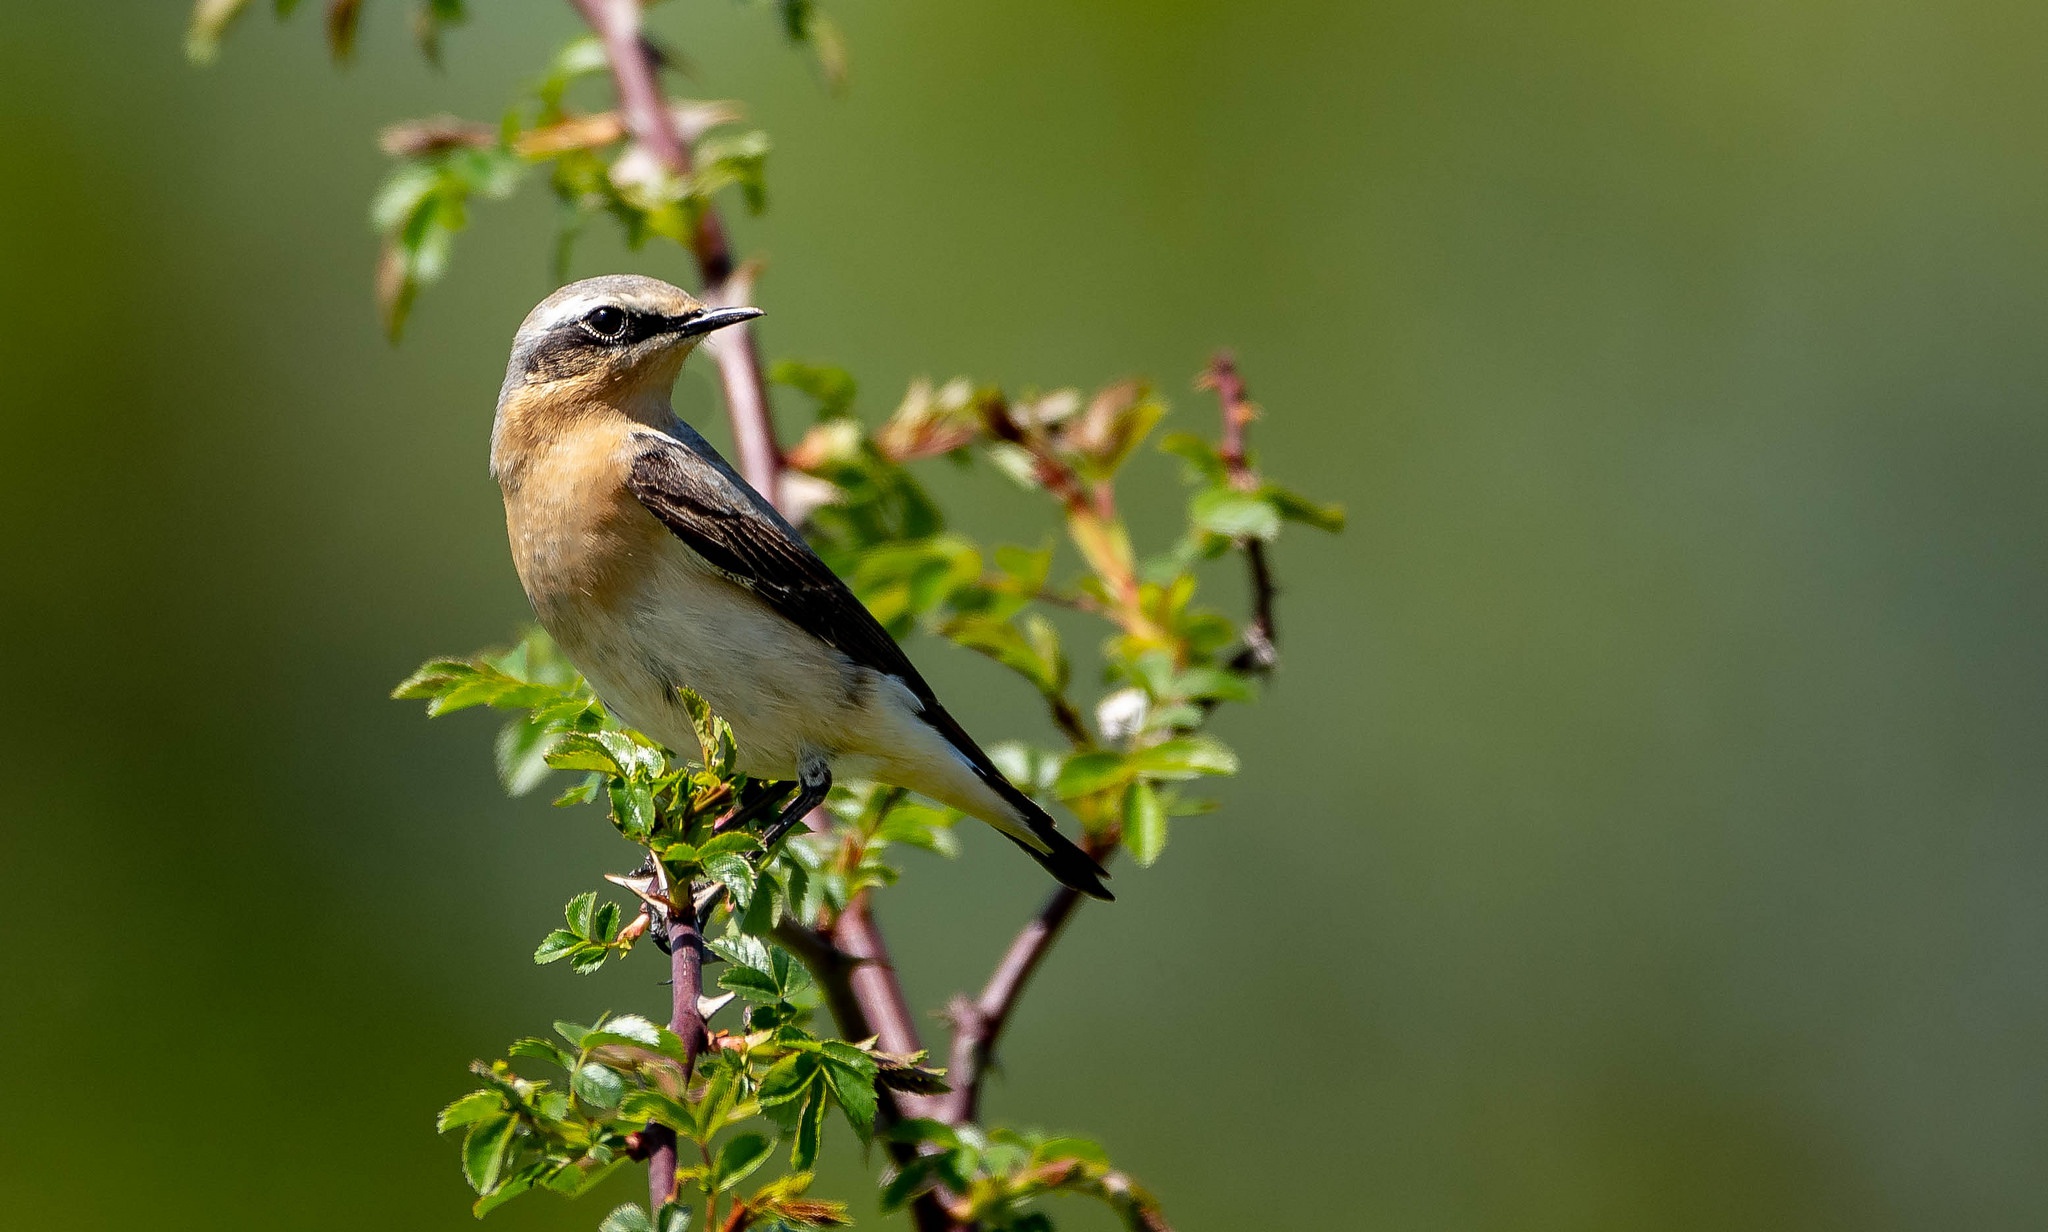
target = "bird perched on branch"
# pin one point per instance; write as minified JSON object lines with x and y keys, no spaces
{"x":655,"y":566}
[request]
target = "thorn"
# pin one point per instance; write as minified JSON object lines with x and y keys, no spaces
{"x":707,"y":1006}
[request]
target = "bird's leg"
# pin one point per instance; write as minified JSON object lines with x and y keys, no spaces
{"x":814,"y":783}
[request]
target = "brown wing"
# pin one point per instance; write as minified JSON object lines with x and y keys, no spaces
{"x":724,"y":524}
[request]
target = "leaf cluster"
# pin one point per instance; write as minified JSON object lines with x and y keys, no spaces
{"x":996,"y":1177}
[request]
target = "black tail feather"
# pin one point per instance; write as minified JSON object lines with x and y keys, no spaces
{"x":1068,"y":864}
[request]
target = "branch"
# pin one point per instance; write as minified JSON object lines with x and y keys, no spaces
{"x":686,"y":974}
{"x":635,"y":72}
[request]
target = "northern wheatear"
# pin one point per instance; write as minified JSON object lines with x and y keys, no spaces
{"x":654,"y":566}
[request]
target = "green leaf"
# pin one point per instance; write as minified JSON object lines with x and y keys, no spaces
{"x":803,"y":1153}
{"x":1087,"y":773}
{"x":583,"y":751}
{"x":631,"y":1217}
{"x":756,"y":986}
{"x":735,"y":874}
{"x":1184,"y":757}
{"x":737,"y":1159}
{"x":1082,"y":1149}
{"x":542,"y":1050}
{"x":1234,"y":514}
{"x":855,"y":1091}
{"x":787,"y":1079}
{"x":471,"y":1108}
{"x":1298,"y":508}
{"x":521,"y":753}
{"x":598,"y":1086}
{"x":582,"y":793}
{"x":729,"y":843}
{"x":632,"y":807}
{"x":833,"y":389}
{"x":579,"y":912}
{"x":1144,"y":823}
{"x":674,"y":1217}
{"x":510,"y":1188}
{"x":485,"y":1150}
{"x":743,"y":951}
{"x":556,"y":946}
{"x":210,"y":20}
{"x":1200,"y":455}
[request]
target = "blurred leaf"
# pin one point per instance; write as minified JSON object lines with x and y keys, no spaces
{"x":1144,"y":823}
{"x":1237,"y":515}
{"x":210,"y":21}
{"x":1185,"y":757}
{"x":1297,"y":508}
{"x":343,"y":16}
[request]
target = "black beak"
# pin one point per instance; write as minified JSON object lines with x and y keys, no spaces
{"x":713,"y":319}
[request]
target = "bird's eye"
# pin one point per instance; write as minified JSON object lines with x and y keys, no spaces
{"x":607,"y":323}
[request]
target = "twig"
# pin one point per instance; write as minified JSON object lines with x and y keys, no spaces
{"x":635,"y":73}
{"x":1261,"y":651}
{"x":978,"y":1024}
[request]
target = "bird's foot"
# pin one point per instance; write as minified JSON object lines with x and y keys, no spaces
{"x":814,"y":783}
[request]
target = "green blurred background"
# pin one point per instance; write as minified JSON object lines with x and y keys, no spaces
{"x":1645,"y":832}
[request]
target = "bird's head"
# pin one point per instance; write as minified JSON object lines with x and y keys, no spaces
{"x":619,"y":338}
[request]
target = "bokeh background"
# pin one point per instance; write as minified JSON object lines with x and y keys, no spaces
{"x":1646,"y":830}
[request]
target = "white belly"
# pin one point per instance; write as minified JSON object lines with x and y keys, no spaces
{"x":786,"y":693}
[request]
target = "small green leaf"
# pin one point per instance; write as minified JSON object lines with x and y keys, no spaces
{"x":735,"y":874}
{"x":1298,"y":508}
{"x":738,"y":1159}
{"x":1184,"y":757}
{"x":756,"y":986}
{"x":1144,"y":823}
{"x":1087,"y":773}
{"x":1237,"y":515}
{"x":632,"y":807}
{"x":631,"y":1217}
{"x":579,"y":911}
{"x":556,"y":946}
{"x":485,"y":1150}
{"x":598,"y":1086}
{"x":787,"y":1079}
{"x":471,"y":1108}
{"x":674,"y":1217}
{"x":803,"y":1153}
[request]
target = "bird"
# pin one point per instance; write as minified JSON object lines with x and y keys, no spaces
{"x":656,"y":567}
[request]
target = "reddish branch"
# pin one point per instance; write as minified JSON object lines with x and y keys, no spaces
{"x":635,"y":68}
{"x":978,"y":1024}
{"x":686,"y":974}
